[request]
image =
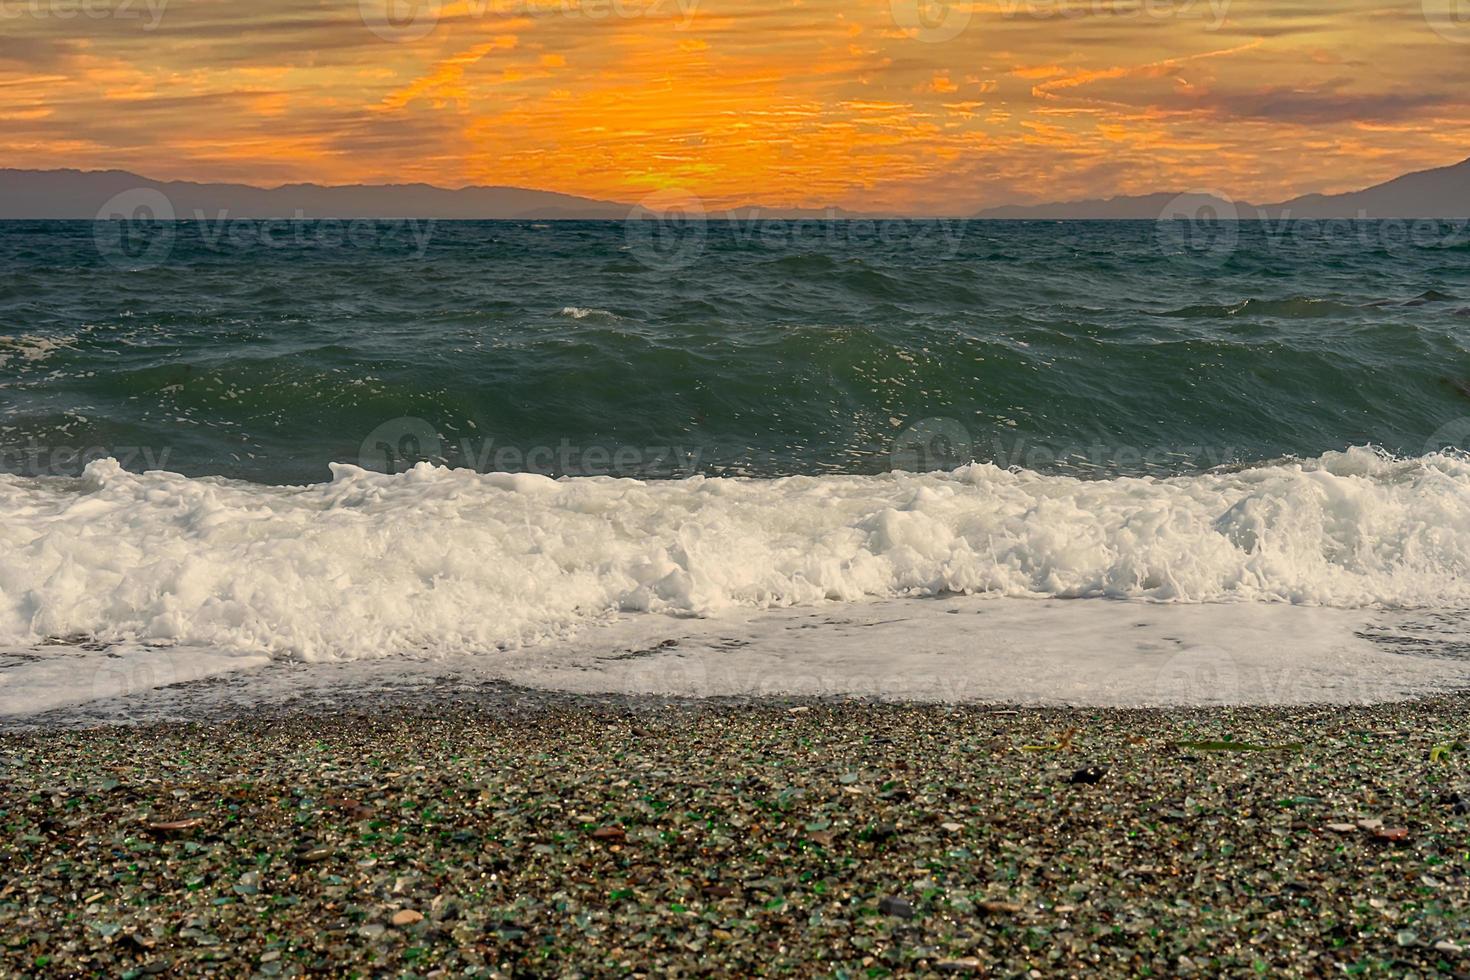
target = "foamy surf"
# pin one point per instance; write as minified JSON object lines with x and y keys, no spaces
{"x":450,"y":561}
{"x":435,"y":563}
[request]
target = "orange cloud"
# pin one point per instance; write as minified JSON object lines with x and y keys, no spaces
{"x":817,"y":102}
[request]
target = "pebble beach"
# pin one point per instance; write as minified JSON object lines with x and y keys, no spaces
{"x":524,"y":834}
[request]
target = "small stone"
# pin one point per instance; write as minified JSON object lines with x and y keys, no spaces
{"x":1342,"y":828}
{"x":965,"y":964}
{"x":407,"y":917}
{"x":1445,"y":946}
{"x":998,"y":908}
{"x":1370,"y":824}
{"x":1088,"y":776}
{"x":799,"y":710}
{"x":1406,"y":937}
{"x":373,"y":930}
{"x":270,"y":955}
{"x":1391,"y":834}
{"x":889,"y":905}
{"x":611,"y":832}
{"x":353,"y":809}
{"x":315,"y":854}
{"x":883,"y":831}
{"x":953,"y":828}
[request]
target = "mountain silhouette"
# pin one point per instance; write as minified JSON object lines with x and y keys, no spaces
{"x":87,"y":195}
{"x":105,"y":193}
{"x":1443,"y":192}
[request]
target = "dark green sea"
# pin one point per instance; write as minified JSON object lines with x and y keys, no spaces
{"x":265,"y":350}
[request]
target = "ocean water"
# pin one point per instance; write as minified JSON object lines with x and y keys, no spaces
{"x":231,"y":444}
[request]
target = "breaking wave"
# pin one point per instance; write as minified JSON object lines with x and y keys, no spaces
{"x":442,"y":560}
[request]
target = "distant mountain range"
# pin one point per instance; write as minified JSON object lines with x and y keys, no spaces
{"x":1440,"y":193}
{"x":87,"y":194}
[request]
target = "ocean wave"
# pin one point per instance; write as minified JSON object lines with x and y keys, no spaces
{"x":436,"y":560}
{"x":1293,"y":308}
{"x":583,"y":312}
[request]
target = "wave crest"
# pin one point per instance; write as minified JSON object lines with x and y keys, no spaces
{"x":442,"y":560}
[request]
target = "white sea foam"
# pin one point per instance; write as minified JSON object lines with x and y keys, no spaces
{"x":583,"y":312}
{"x":29,"y":347}
{"x":439,"y":561}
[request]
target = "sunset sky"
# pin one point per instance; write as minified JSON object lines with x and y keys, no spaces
{"x":862,"y":104}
